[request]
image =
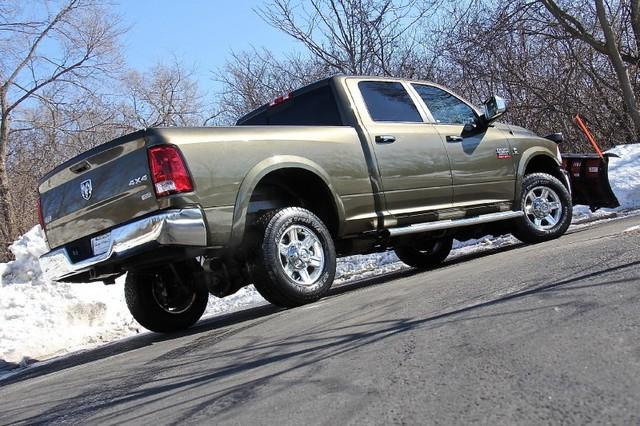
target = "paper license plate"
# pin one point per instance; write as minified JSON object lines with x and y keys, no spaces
{"x":101,"y":244}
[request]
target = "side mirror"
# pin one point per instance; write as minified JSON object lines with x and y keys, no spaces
{"x":494,"y":107}
{"x":555,"y":137}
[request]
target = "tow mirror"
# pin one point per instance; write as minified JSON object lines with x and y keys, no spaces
{"x":494,"y":107}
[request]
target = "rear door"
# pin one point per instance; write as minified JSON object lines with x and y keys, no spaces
{"x":411,"y":157}
{"x":482,"y":165}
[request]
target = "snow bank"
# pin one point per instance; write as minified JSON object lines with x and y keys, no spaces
{"x":40,"y":319}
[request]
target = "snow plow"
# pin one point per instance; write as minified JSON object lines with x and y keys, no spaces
{"x":589,"y":177}
{"x":589,"y":174}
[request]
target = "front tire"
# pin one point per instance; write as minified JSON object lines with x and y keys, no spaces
{"x":547,"y":208}
{"x":425,"y":255}
{"x":294,"y":257}
{"x":162,"y":302}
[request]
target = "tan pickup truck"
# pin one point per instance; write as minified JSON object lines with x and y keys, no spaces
{"x":343,"y":166}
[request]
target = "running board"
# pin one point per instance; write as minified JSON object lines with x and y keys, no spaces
{"x":452,"y":223}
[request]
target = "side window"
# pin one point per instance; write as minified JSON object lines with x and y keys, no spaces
{"x":389,"y":101}
{"x":445,"y":108}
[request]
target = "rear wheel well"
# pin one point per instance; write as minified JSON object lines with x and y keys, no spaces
{"x":294,"y":187}
{"x":544,"y":164}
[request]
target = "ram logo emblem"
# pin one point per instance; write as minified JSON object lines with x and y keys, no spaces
{"x":86,"y":189}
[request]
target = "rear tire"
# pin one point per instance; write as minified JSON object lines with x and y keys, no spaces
{"x":294,"y":257}
{"x":547,"y":208}
{"x":425,"y":255}
{"x":160,"y":303}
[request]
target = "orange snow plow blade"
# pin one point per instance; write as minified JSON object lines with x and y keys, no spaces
{"x":589,"y":177}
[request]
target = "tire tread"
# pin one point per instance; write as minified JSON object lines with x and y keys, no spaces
{"x":266,"y":280}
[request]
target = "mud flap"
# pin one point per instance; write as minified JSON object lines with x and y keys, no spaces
{"x":589,"y":177}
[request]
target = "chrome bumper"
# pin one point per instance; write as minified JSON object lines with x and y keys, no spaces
{"x":184,"y":227}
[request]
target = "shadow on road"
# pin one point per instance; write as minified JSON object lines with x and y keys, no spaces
{"x":238,"y":318}
{"x":212,"y":323}
{"x":225,"y":379}
{"x":241,"y":371}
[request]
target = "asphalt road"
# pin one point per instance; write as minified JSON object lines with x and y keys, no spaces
{"x":530,"y":334}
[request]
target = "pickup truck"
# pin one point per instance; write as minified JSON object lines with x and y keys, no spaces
{"x":347,"y":165}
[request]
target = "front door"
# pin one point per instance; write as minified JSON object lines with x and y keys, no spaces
{"x":482,"y":165}
{"x":411,"y":156}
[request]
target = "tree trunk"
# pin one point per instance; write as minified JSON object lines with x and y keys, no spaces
{"x":7,"y":222}
{"x":619,"y":67}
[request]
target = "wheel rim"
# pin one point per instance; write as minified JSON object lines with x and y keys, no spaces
{"x":171,"y":298}
{"x":301,"y":255}
{"x":543,"y":207}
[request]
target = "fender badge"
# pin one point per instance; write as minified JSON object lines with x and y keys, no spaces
{"x":503,"y":153}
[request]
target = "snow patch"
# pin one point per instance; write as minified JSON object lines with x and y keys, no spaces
{"x":632,"y":229}
{"x":40,"y":319}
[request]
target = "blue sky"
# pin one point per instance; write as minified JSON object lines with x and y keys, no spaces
{"x":200,"y":33}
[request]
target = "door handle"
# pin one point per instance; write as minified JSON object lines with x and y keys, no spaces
{"x":385,"y":139}
{"x":453,"y":138}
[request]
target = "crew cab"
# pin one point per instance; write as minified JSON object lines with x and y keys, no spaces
{"x":343,"y":166}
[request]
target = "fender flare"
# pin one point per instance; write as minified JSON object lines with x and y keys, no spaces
{"x":262,"y":169}
{"x":526,"y":158}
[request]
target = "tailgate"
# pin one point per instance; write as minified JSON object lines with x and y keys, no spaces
{"x":101,"y":188}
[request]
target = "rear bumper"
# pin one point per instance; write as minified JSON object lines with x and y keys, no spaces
{"x":185,"y":227}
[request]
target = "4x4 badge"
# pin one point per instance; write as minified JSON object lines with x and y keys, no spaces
{"x":86,"y":189}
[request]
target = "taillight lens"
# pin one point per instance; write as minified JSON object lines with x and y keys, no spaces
{"x":169,"y":173}
{"x":40,"y":216}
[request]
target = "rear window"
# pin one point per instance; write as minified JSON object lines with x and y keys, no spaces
{"x":317,"y":107}
{"x":389,"y":101}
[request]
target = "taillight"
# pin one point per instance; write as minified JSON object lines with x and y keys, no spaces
{"x":40,"y":217}
{"x":169,"y":173}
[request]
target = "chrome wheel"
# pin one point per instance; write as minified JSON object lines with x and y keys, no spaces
{"x":301,"y":255}
{"x":543,"y":207}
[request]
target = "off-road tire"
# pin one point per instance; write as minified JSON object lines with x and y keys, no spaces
{"x":525,"y":228}
{"x":427,"y":255}
{"x":143,"y":305}
{"x":270,"y":276}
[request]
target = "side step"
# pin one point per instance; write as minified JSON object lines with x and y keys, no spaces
{"x":452,"y":223}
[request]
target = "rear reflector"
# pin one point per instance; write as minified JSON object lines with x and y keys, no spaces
{"x":169,"y":173}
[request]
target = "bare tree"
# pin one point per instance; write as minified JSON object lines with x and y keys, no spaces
{"x":64,"y":45}
{"x":252,"y":78}
{"x":605,"y":39}
{"x":166,"y":95}
{"x":377,"y":37}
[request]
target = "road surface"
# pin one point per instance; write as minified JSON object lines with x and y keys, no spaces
{"x":548,"y":333}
